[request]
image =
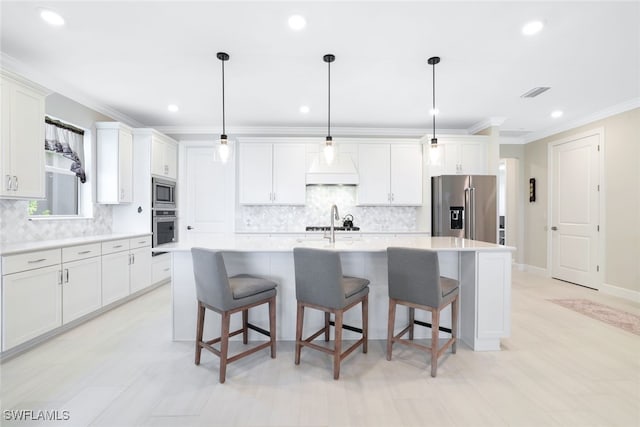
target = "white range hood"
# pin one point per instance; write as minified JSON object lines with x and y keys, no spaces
{"x":341,"y":171}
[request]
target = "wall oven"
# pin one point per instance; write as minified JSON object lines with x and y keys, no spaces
{"x":164,"y":194}
{"x":165,"y":226}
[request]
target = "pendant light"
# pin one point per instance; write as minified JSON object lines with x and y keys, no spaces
{"x":434,"y":141}
{"x":328,"y":145}
{"x":223,"y":146}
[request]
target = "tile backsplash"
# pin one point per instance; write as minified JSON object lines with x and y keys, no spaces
{"x":15,"y":225}
{"x":317,"y":212}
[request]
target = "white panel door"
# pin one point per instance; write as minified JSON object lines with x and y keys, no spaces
{"x":81,"y":289}
{"x":115,"y":277}
{"x":406,"y":175}
{"x":140,"y":269}
{"x":374,"y":168}
{"x":255,"y":175}
{"x":209,"y":189}
{"x":31,"y":304}
{"x":289,"y":169}
{"x":575,"y":211}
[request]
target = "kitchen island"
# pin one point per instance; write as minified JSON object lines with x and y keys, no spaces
{"x":483,"y":269}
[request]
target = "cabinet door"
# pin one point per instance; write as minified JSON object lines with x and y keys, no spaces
{"x":81,"y":289}
{"x":171,"y":160}
{"x":406,"y":175}
{"x":374,"y":168}
{"x":115,"y":277}
{"x":22,"y":141}
{"x":140,"y":269}
{"x":255,"y":176}
{"x":450,"y":158}
{"x":125,"y":167}
{"x":157,"y":156}
{"x":473,"y":157}
{"x":31,"y":305}
{"x":289,"y":169}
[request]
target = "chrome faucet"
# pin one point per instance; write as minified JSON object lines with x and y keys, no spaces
{"x":334,"y":215}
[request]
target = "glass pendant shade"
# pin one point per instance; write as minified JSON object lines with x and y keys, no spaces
{"x":329,"y":151}
{"x":223,"y":149}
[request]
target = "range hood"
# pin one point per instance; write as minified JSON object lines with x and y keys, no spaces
{"x":341,"y":171}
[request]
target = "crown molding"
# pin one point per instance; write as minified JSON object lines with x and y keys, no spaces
{"x":53,"y":84}
{"x":598,"y":115}
{"x":487,"y":123}
{"x":302,"y":131}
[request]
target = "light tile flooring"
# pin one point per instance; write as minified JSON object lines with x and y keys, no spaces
{"x":559,"y":368}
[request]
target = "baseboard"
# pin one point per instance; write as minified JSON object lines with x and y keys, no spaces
{"x":538,"y":271}
{"x":519,"y":267}
{"x":620,"y":292}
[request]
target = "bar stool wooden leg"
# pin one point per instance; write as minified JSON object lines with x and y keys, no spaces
{"x":245,"y":330}
{"x":435,"y":332}
{"x":327,"y":325}
{"x":391,"y":326}
{"x":272,"y":326}
{"x":224,"y":344}
{"x":199,"y":331}
{"x":454,"y":323}
{"x":365,"y":323}
{"x":337,"y":349}
{"x":412,"y":318}
{"x":299,"y":324}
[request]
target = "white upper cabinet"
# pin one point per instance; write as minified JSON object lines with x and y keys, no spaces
{"x":468,"y":155}
{"x":22,"y":139}
{"x":272,"y":174}
{"x":164,"y":157}
{"x":390,"y":174}
{"x":115,"y":163}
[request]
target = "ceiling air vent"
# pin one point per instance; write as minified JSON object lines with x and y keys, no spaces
{"x":535,"y":92}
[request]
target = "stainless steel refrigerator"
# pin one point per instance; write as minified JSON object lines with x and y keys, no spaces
{"x":464,"y":206}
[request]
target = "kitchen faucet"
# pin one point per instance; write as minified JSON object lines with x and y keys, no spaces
{"x":332,"y":230}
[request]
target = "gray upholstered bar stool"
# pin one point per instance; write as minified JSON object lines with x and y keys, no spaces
{"x":415,"y":281}
{"x":228,"y":295}
{"x":321,"y":285}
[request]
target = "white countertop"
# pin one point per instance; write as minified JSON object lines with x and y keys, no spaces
{"x":16,"y":248}
{"x":247,"y":243}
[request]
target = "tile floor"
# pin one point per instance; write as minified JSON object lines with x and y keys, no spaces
{"x":558,"y":368}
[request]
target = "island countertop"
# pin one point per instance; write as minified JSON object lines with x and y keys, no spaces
{"x":248,"y":243}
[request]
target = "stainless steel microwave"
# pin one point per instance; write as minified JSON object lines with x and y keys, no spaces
{"x":164,"y":194}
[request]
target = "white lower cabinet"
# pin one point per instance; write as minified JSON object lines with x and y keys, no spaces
{"x":115,"y":277}
{"x":31,"y":304}
{"x":44,"y":290}
{"x":161,"y":268}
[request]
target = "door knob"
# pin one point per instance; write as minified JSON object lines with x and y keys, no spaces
{"x":189,"y":227}
{"x":554,"y":228}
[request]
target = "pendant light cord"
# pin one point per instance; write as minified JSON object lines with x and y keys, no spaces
{"x":223,"y":128}
{"x":434,"y":100}
{"x":329,"y":100}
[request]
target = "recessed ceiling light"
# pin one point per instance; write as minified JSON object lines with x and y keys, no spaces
{"x":297,"y":22}
{"x":556,"y":114}
{"x":531,"y":28}
{"x":51,"y":17}
{"x":434,"y":111}
{"x":173,"y":108}
{"x":304,"y":109}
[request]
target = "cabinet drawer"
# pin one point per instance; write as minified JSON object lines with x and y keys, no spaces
{"x":115,"y":246}
{"x":30,"y":260}
{"x":161,"y":271}
{"x":140,"y":242}
{"x":75,"y":253}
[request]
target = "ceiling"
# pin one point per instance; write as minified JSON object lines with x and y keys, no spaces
{"x":132,"y":59}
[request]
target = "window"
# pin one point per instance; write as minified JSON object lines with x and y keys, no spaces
{"x":64,"y":172}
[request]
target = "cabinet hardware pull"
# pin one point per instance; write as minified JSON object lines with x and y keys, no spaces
{"x":9,"y":182}
{"x":83,"y":252}
{"x":117,"y":246}
{"x":59,"y":277}
{"x":141,"y":242}
{"x":133,"y":258}
{"x":36,"y":260}
{"x":66,"y":270}
{"x":167,"y":269}
{"x":16,"y":182}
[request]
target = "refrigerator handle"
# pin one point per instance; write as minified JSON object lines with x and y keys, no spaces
{"x":467,"y":213}
{"x":472,"y":220}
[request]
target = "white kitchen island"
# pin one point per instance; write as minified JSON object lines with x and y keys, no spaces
{"x":483,"y":269}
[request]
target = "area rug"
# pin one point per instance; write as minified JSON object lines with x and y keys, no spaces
{"x":627,"y":321}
